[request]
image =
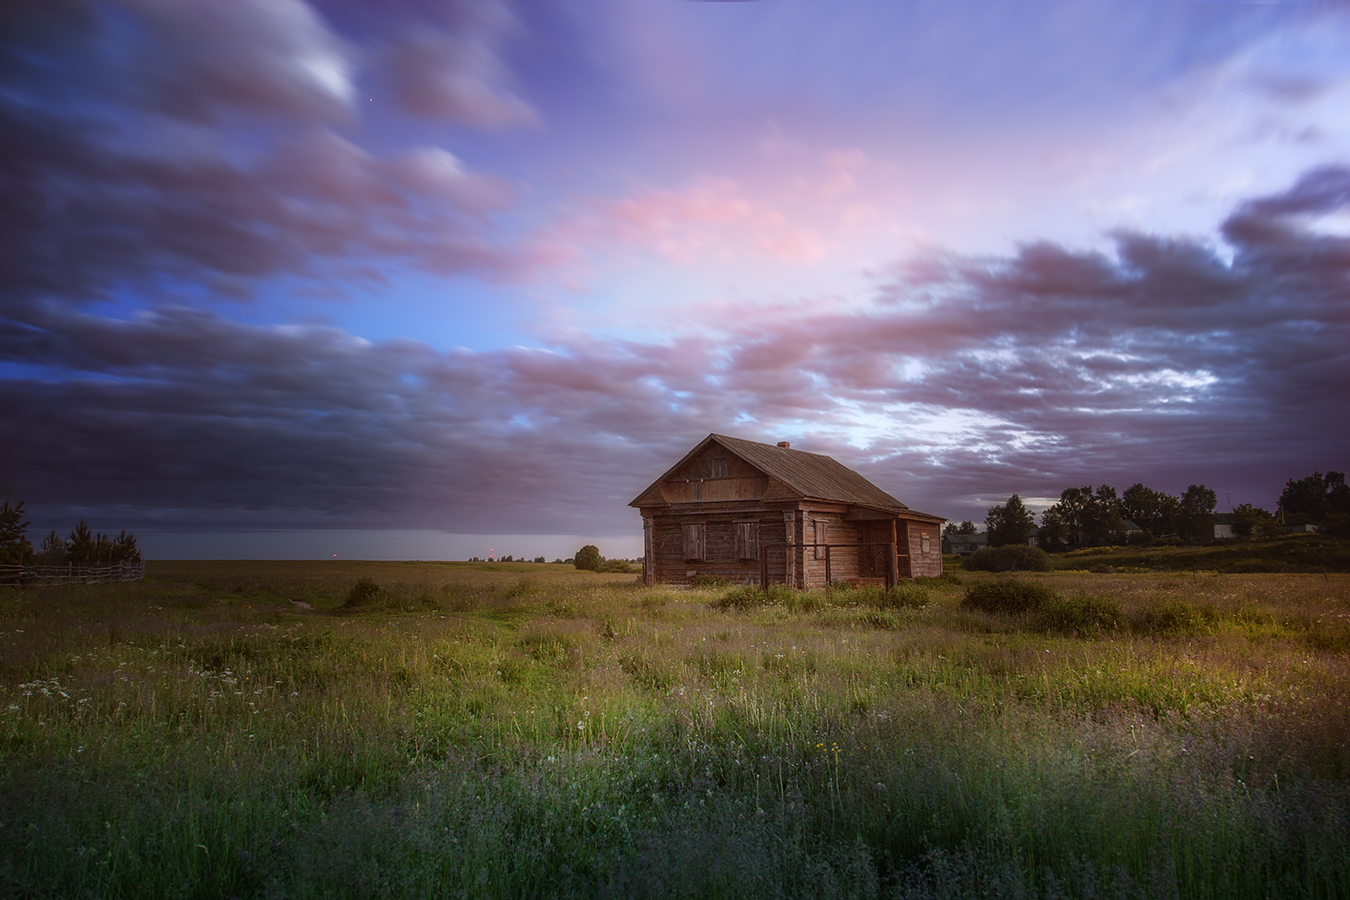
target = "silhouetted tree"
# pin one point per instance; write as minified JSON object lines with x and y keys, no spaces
{"x":1252,"y":521}
{"x":81,"y":546}
{"x":124,"y":548}
{"x":1153,"y":511}
{"x":14,"y":545}
{"x":53,"y":550}
{"x":1315,"y":498}
{"x":1009,"y":523}
{"x":1082,"y":518}
{"x":966,"y":527}
{"x":1195,"y":507}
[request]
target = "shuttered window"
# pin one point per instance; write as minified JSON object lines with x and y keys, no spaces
{"x":747,"y":540}
{"x":821,"y":538}
{"x":693,"y":542}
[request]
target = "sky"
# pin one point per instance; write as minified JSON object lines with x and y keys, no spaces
{"x":433,"y":278}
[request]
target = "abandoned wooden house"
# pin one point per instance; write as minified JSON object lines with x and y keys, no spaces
{"x":754,"y":512}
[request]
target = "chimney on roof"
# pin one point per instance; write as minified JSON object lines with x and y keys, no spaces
{"x":785,"y":445}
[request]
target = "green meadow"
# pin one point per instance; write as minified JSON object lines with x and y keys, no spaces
{"x":331,"y":729}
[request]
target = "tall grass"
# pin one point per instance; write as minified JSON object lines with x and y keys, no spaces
{"x":530,"y":731}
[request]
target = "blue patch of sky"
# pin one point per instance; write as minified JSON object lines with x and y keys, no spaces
{"x":440,"y":312}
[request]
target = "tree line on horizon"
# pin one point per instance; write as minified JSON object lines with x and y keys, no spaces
{"x":1088,"y":517}
{"x":83,"y":547}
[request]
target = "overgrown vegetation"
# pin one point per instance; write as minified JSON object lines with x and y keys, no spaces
{"x":1008,"y":558}
{"x":527,"y":730}
{"x":1007,"y":597}
{"x":1309,"y":553}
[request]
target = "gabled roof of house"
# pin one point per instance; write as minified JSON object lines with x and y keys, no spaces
{"x":813,"y":476}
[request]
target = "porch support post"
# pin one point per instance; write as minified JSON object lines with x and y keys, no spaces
{"x":790,"y":551}
{"x":648,"y":560}
{"x":893,"y":558}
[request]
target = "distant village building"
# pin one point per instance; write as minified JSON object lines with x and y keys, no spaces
{"x":757,"y":513}
{"x":1223,"y":526}
{"x":961,"y":544}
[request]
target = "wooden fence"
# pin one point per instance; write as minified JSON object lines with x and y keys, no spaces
{"x":28,"y":576}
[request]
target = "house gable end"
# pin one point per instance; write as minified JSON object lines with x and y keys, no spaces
{"x":709,"y":472}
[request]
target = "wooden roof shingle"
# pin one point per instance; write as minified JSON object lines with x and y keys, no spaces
{"x":810,"y":475}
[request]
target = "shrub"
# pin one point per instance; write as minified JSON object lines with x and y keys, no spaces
{"x":525,"y":587}
{"x":1081,"y":614}
{"x":710,"y":581}
{"x":907,"y":594}
{"x":741,"y":598}
{"x":1169,"y":618}
{"x":588,"y":558}
{"x":1008,"y":558}
{"x":751,"y":595}
{"x":365,"y":594}
{"x":1007,"y":597}
{"x":618,"y":566}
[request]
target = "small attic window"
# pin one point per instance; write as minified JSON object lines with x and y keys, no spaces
{"x":719,"y":468}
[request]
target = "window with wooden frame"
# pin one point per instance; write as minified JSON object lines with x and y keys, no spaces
{"x":694,"y":544}
{"x":719,"y":467}
{"x":747,"y":540}
{"x":822,"y":537}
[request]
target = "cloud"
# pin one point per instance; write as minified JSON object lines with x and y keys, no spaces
{"x":709,"y":219}
{"x":202,"y":59}
{"x":153,"y":146}
{"x":966,"y":378}
{"x":457,"y":73}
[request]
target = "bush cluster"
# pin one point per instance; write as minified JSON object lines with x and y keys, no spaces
{"x":1008,"y":558}
{"x":1082,"y":614}
{"x":1007,"y":597}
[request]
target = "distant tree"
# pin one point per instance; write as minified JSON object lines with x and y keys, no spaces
{"x":1009,"y":523}
{"x":124,"y":548}
{"x":1315,"y":498}
{"x":1082,"y":518}
{"x":1195,"y":507}
{"x":588,"y":558}
{"x":966,"y":527}
{"x":14,"y":545}
{"x":1252,"y":521}
{"x":1054,"y":531}
{"x":82,"y":546}
{"x":53,"y":550}
{"x":1153,"y":511}
{"x":540,"y":559}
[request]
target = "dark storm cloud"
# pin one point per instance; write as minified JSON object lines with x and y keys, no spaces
{"x":148,"y":145}
{"x":1053,"y":367}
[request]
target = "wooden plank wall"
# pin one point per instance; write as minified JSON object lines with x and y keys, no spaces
{"x":924,"y":565}
{"x":670,"y":566}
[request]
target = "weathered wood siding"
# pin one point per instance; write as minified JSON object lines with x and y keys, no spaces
{"x":925,"y":555}
{"x":843,"y":560}
{"x":668,"y":563}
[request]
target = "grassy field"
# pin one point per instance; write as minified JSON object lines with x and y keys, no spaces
{"x":1307,"y":553}
{"x":328,"y":729}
